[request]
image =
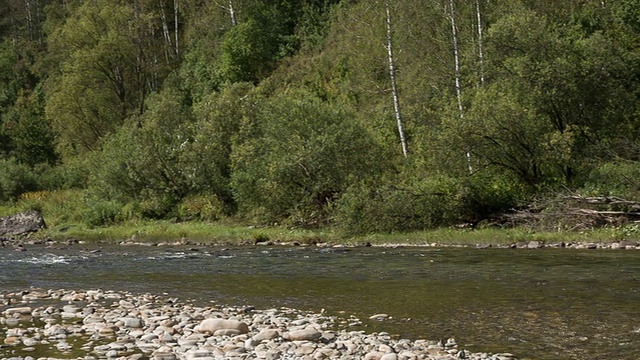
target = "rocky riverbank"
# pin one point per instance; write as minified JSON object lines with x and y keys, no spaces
{"x":98,"y":324}
{"x":21,"y":244}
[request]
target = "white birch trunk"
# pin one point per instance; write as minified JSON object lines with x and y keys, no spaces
{"x":38,"y":29}
{"x":176,"y":27}
{"x":458,"y":80}
{"x":27,"y":7}
{"x":480,"y":49}
{"x":456,"y":56}
{"x":232,"y":13}
{"x":230,"y":9}
{"x":394,"y":87}
{"x":168,"y":44}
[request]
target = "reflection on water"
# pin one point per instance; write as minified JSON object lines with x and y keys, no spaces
{"x":538,"y":304}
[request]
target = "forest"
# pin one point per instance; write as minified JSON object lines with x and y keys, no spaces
{"x":370,"y":116}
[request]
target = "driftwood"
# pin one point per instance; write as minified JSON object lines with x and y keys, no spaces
{"x":574,"y":213}
{"x":605,"y":200}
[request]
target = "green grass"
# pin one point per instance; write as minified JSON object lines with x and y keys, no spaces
{"x":194,"y":232}
{"x":6,"y":210}
{"x":238,"y":233}
{"x":64,"y":212}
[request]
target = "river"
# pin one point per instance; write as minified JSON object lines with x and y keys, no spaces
{"x":536,"y":304}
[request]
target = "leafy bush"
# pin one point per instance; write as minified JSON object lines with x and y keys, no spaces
{"x":69,"y":175}
{"x":58,"y":206}
{"x":170,"y":154}
{"x":201,"y":207}
{"x":148,"y":159}
{"x":615,"y":178}
{"x":295,"y":157}
{"x":423,"y":203}
{"x":102,"y":213}
{"x":485,"y":196}
{"x":15,"y":179}
{"x":427,"y":204}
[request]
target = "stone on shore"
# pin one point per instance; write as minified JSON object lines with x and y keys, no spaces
{"x":21,"y":223}
{"x":24,"y":310}
{"x":266,"y":334}
{"x":213,"y":325}
{"x":308,"y":334}
{"x":379,"y":317}
{"x":534,"y":245}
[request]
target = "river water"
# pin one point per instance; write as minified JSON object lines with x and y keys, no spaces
{"x":536,"y":304}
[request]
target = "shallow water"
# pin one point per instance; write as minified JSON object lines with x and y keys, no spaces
{"x":536,"y":304}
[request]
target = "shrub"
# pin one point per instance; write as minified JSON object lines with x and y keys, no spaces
{"x":58,"y":206}
{"x":296,"y":156}
{"x":482,"y":197}
{"x":427,"y":204}
{"x":201,"y":207}
{"x":618,"y":178}
{"x":15,"y":179}
{"x":102,"y":213}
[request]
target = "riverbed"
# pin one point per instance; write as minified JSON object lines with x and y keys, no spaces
{"x":534,"y":303}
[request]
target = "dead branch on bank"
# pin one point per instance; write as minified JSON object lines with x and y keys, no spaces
{"x":573,"y":212}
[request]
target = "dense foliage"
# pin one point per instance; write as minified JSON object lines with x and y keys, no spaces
{"x":283,"y":111}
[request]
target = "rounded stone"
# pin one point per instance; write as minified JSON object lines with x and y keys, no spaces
{"x":132,"y":322}
{"x":24,"y":310}
{"x":379,"y":317}
{"x":308,"y":334}
{"x":226,"y":332}
{"x":266,"y":334}
{"x":213,"y":325}
{"x":12,"y":340}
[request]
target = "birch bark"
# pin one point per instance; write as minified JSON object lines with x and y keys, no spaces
{"x":480,"y":48}
{"x":457,"y":74}
{"x":232,"y":13}
{"x":230,"y":9}
{"x":394,"y":87}
{"x":165,"y":33}
{"x":176,"y":26}
{"x":456,"y":56}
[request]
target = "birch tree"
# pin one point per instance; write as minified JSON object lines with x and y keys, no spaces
{"x":176,"y":27}
{"x":166,"y":34}
{"x":480,"y":45}
{"x":231,"y":10}
{"x":457,"y":73}
{"x":456,"y":57}
{"x":392,"y":78}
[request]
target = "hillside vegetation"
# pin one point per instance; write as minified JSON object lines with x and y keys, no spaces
{"x":370,"y":116}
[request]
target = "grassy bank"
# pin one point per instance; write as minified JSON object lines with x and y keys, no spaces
{"x":229,"y":232}
{"x":237,"y":234}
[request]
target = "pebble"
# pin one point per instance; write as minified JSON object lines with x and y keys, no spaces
{"x":379,"y":317}
{"x":120,"y":325}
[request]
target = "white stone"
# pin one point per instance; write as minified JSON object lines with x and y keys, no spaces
{"x":212,"y":325}
{"x":309,"y":334}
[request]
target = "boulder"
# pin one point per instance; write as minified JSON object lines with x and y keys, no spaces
{"x":24,"y":310}
{"x":534,"y":245}
{"x":308,"y":334}
{"x":213,"y":325}
{"x":21,"y":223}
{"x":266,"y":334}
{"x":132,"y":322}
